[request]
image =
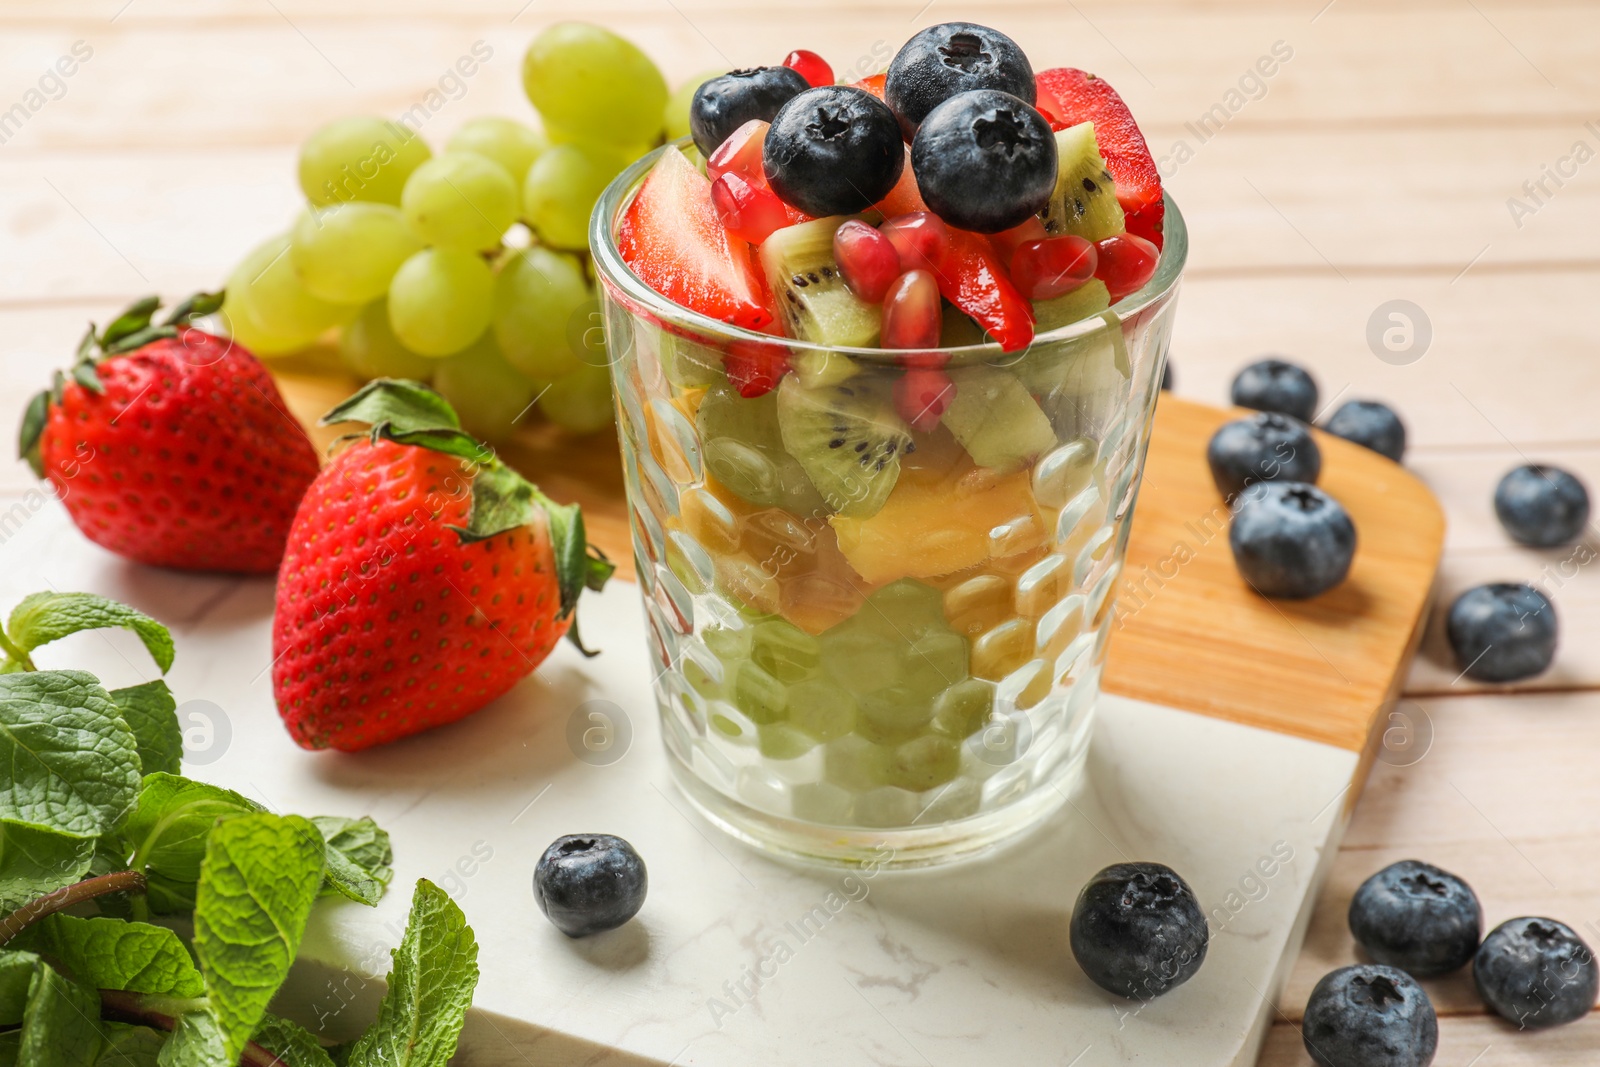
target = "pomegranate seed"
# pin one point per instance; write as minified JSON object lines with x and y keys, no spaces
{"x":748,"y":211}
{"x":1126,"y":263}
{"x":1006,"y":242}
{"x":911,"y":313}
{"x":921,"y":239}
{"x":922,"y":395}
{"x":740,"y":153}
{"x":1053,"y":266}
{"x":810,"y":66}
{"x":867,"y":260}
{"x":754,"y":368}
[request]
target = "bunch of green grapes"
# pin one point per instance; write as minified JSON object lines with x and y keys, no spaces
{"x":421,"y":260}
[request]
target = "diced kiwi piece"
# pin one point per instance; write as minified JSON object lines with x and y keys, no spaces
{"x":847,"y":437}
{"x":811,"y":294}
{"x":1090,"y":298}
{"x":688,"y":364}
{"x":1085,"y":198}
{"x":819,"y":367}
{"x":740,"y":443}
{"x":958,"y":330}
{"x":995,"y":419}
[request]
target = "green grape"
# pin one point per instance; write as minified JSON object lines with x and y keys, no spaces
{"x":580,"y":402}
{"x":489,"y":394}
{"x":441,"y":301}
{"x":460,"y":200}
{"x":274,"y":310}
{"x":676,"y":118}
{"x":369,"y":348}
{"x":348,"y":253}
{"x":561,"y":189}
{"x":535,"y":297}
{"x":584,"y":78}
{"x":510,"y":144}
{"x":359,"y":159}
{"x":586,"y":333}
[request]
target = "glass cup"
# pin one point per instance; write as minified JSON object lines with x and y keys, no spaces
{"x":855,"y":667}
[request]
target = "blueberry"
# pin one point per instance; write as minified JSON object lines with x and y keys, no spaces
{"x":1370,"y":425}
{"x":1370,"y":1016}
{"x":1138,"y":931}
{"x":1262,"y":448}
{"x":985,"y":161}
{"x":1291,"y":539}
{"x":1542,"y":506}
{"x":833,"y":150}
{"x":1417,"y":917}
{"x":1502,"y":631}
{"x":1536,"y":973}
{"x":955,"y":57}
{"x":723,"y":104}
{"x":1277,"y":385}
{"x":586,"y":883}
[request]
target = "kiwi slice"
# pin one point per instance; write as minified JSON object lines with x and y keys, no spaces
{"x":688,"y":364}
{"x":742,"y":449}
{"x":958,"y":330}
{"x":1090,"y":298}
{"x":819,"y":367}
{"x":995,"y":419}
{"x":1085,"y":198}
{"x":811,"y":295}
{"x":847,"y":437}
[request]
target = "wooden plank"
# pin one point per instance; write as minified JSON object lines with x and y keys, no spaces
{"x":1472,"y":1042}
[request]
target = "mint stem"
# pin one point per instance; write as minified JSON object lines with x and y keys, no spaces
{"x":15,"y":654}
{"x":66,"y":897}
{"x":162,"y":1013}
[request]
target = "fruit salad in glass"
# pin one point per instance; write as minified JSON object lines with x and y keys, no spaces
{"x":886,"y":356}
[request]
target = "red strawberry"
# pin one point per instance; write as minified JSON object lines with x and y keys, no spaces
{"x":171,"y":446}
{"x":423,"y":578}
{"x":971,"y":278}
{"x":671,"y":237}
{"x":872,"y":83}
{"x":1075,"y":96}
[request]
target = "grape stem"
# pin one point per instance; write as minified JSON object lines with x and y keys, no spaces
{"x":77,"y":893}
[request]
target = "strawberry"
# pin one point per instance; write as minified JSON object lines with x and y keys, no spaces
{"x":972,"y":278}
{"x":1072,"y":96}
{"x":673,"y":240}
{"x":423,"y":578}
{"x":171,"y":446}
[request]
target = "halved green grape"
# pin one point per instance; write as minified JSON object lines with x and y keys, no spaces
{"x":460,"y":200}
{"x":535,"y":297}
{"x":362,"y":158}
{"x":274,"y":309}
{"x":490,"y":395}
{"x":581,"y":402}
{"x":441,"y":300}
{"x":348,"y":253}
{"x":369,"y":348}
{"x":561,"y":189}
{"x":587,"y":80}
{"x":676,"y":118}
{"x":510,"y":144}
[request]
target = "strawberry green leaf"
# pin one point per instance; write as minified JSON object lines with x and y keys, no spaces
{"x":131,"y":1046}
{"x":359,"y":857}
{"x":430,"y":988}
{"x":68,"y":762}
{"x":197,"y":306}
{"x":85,"y":375}
{"x":34,"y":862}
{"x":60,"y":1027}
{"x":293,"y":1046}
{"x":130,"y":322}
{"x":139,"y":340}
{"x":45,"y":617}
{"x":257,"y":885}
{"x":34,"y":417}
{"x":113,"y":954}
{"x":197,"y":1041}
{"x":152,"y":714}
{"x":395,"y":405}
{"x":171,"y":821}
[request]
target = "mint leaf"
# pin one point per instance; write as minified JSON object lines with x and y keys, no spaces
{"x":152,"y":714}
{"x":34,"y":862}
{"x":130,"y":1046}
{"x":196,"y":1041}
{"x":45,"y":617}
{"x":113,"y":954}
{"x":172,"y":820}
{"x":68,"y":762}
{"x":167,"y":896}
{"x":430,"y":988}
{"x":61,"y":1026}
{"x":257,"y":885}
{"x":16,"y":975}
{"x":10,"y":1048}
{"x":294,"y":1046}
{"x":359,"y":858}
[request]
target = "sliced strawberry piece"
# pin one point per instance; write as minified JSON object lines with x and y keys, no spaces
{"x":754,"y":368}
{"x":872,"y":83}
{"x":1072,"y":96}
{"x":971,"y":278}
{"x":905,"y":197}
{"x":671,"y":237}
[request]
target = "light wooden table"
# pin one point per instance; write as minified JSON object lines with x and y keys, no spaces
{"x":1384,"y":159}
